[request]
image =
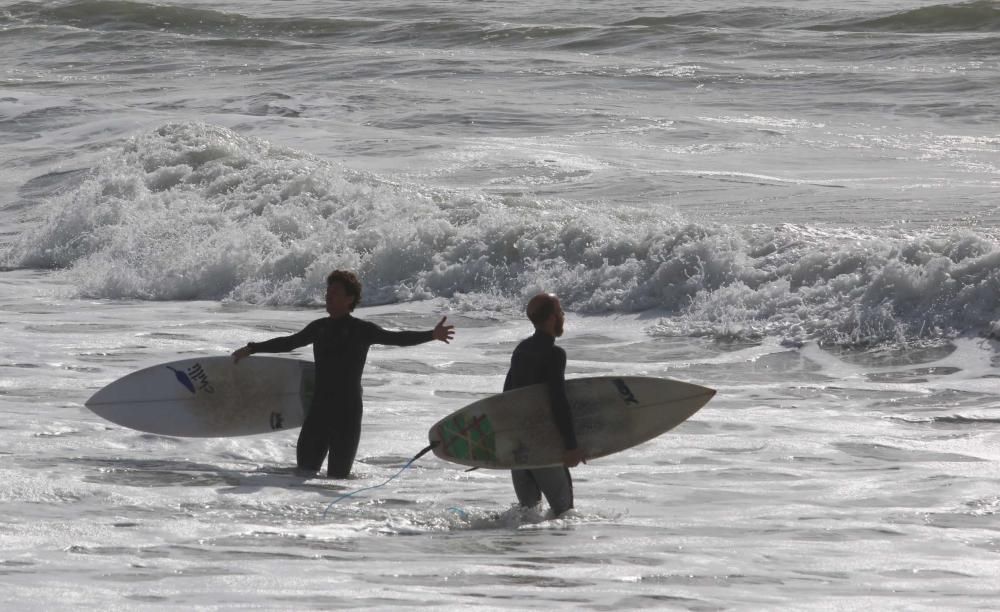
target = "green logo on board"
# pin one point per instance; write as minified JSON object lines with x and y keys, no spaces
{"x":469,"y":438}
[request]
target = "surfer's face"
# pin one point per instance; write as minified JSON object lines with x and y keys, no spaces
{"x":338,"y":301}
{"x":546,"y":305}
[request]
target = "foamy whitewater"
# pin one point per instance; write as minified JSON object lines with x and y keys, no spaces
{"x":793,"y":202}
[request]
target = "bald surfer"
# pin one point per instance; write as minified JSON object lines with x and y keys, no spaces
{"x":537,"y":359}
{"x":340,"y":348}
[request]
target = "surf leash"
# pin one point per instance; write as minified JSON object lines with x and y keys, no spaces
{"x":390,"y":479}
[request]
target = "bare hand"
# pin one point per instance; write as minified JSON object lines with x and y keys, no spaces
{"x":573,"y":458}
{"x":241,"y":353}
{"x":443,"y":332}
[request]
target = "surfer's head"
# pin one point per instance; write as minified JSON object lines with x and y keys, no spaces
{"x":546,"y":313}
{"x":343,"y":292}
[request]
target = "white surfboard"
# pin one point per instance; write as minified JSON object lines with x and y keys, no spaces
{"x":515,"y":430}
{"x":209,"y":397}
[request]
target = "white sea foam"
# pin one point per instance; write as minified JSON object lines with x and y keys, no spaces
{"x":195,"y":211}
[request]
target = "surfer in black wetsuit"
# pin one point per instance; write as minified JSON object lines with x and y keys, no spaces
{"x":340,"y":348}
{"x":538,"y":360}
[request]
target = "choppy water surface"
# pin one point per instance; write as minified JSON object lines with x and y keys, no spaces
{"x":792,"y":202}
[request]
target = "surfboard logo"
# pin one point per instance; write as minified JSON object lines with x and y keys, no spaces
{"x":625,"y":392}
{"x":194,"y":379}
{"x":472,"y":439}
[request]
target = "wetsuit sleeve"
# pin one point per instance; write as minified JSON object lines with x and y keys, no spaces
{"x":283,"y":344}
{"x":377,"y":335}
{"x":556,"y":375}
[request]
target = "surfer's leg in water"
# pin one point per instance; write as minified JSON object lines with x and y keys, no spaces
{"x":313,"y":442}
{"x":343,"y":441}
{"x":527,"y":491}
{"x":554,"y":482}
{"x":557,"y":487}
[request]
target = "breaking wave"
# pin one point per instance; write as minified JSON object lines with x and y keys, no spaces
{"x":194,"y":211}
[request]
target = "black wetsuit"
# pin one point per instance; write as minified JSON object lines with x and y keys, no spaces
{"x":340,"y":348}
{"x":538,"y":360}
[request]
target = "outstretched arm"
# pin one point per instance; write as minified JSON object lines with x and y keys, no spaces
{"x":240,"y":353}
{"x":441,"y":332}
{"x":281,"y":344}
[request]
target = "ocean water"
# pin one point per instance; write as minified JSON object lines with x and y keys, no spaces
{"x":795,"y":203}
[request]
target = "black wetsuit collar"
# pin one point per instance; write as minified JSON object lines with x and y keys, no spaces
{"x":541,"y":336}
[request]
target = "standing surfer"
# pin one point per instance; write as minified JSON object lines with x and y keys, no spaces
{"x":538,"y":360}
{"x":340,"y":348}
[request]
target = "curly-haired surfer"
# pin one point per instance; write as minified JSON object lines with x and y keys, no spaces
{"x":340,"y":349}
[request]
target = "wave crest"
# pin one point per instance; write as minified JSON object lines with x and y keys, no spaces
{"x":194,"y":211}
{"x":977,"y":16}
